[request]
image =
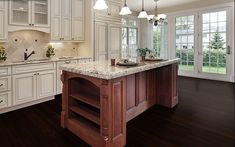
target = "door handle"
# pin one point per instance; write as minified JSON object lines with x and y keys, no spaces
{"x":228,"y":50}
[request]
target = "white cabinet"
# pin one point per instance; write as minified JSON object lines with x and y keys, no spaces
{"x":31,"y":13}
{"x":3,"y":21}
{"x":78,"y":20}
{"x":59,"y":72}
{"x":5,"y":100}
{"x":101,"y":41}
{"x":32,"y":86}
{"x":107,"y":40}
{"x":34,"y":81}
{"x":24,"y":88}
{"x":46,"y":84}
{"x":67,"y":20}
{"x":110,"y":14}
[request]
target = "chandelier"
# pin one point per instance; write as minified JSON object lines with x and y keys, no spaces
{"x":156,"y":18}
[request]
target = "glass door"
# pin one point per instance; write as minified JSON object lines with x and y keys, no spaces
{"x":20,"y":12}
{"x":214,"y":50}
{"x":40,"y":13}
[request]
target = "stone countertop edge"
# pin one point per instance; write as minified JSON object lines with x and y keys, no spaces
{"x":12,"y":63}
{"x":103,"y":69}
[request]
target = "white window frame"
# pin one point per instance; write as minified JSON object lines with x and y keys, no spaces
{"x":230,"y":76}
{"x":127,"y":18}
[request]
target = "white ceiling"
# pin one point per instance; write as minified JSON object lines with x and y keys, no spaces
{"x":150,"y":4}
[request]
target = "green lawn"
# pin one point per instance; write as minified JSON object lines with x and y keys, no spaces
{"x":219,"y":70}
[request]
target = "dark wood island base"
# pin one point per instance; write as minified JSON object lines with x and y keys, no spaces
{"x":97,"y":110}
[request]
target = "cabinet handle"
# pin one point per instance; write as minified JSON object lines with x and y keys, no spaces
{"x":1,"y":101}
{"x":67,"y":62}
{"x":1,"y":85}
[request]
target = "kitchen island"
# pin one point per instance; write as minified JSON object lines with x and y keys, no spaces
{"x":98,"y":99}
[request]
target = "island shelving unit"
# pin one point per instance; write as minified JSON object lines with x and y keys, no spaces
{"x":98,"y":99}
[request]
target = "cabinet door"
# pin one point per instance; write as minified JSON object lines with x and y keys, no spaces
{"x":40,"y":13}
{"x":56,"y":20}
{"x":20,"y":12}
{"x":46,"y":84}
{"x":3,"y":25}
{"x":78,"y":20}
{"x":24,"y":88}
{"x":66,"y":20}
{"x":114,"y":41}
{"x":101,"y":41}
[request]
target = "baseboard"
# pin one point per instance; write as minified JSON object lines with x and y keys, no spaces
{"x":12,"y":108}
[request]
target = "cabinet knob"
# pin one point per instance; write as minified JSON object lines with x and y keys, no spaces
{"x":32,"y":24}
{"x":1,"y":85}
{"x":67,"y":62}
{"x":1,"y":101}
{"x":72,"y":38}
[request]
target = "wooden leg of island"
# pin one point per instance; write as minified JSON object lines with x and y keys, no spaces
{"x":97,"y":110}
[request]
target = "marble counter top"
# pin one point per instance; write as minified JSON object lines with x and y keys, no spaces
{"x":35,"y":61}
{"x":103,"y":69}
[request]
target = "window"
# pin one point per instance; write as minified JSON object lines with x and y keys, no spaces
{"x":214,"y":42}
{"x":129,"y":37}
{"x":185,"y":41}
{"x":160,"y":40}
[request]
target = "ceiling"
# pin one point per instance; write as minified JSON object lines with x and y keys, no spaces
{"x":150,"y":4}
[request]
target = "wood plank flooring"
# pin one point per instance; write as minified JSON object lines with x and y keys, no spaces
{"x":203,"y":118}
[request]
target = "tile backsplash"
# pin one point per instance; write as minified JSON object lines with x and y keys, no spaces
{"x":38,"y":42}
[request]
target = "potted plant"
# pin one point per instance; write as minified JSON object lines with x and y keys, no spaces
{"x":3,"y":54}
{"x":143,"y":52}
{"x":50,"y":51}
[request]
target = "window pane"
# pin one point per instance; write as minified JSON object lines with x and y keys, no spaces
{"x":160,"y":40}
{"x":132,"y":23}
{"x":185,"y":42}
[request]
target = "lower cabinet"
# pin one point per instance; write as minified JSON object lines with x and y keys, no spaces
{"x":5,"y":99}
{"x":32,"y":86}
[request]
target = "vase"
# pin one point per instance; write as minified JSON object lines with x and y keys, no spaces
{"x":142,"y":58}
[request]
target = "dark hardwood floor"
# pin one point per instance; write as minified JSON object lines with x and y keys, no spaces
{"x":203,"y":118}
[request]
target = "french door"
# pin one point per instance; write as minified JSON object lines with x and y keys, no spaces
{"x":203,"y":43}
{"x":215,"y":52}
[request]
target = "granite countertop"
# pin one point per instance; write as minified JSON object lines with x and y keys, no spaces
{"x":103,"y":69}
{"x":35,"y":61}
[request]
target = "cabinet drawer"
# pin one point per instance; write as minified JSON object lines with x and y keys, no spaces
{"x":5,"y":100}
{"x":5,"y":83}
{"x":4,"y":71}
{"x":33,"y":67}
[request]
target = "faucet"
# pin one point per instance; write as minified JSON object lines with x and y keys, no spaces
{"x":26,"y":56}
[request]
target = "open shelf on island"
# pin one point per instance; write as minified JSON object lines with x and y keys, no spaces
{"x":87,"y":98}
{"x":87,"y":112}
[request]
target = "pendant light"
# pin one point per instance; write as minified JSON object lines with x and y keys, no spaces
{"x":125,"y":10}
{"x":143,"y":13}
{"x":100,"y":5}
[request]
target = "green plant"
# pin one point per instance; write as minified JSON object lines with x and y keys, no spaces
{"x":3,"y":54}
{"x":217,"y":42}
{"x":143,"y":51}
{"x":50,"y":51}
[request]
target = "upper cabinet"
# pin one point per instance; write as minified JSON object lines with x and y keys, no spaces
{"x":31,"y":14}
{"x":112,"y":13}
{"x":3,"y":21}
{"x":67,"y":18}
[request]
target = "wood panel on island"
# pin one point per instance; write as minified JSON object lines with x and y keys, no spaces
{"x":97,"y":110}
